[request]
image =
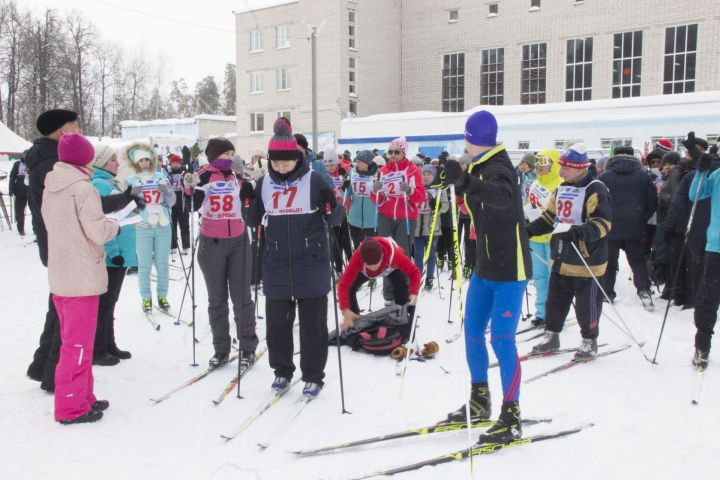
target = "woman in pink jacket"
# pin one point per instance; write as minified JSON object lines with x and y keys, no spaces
{"x":77,"y":230}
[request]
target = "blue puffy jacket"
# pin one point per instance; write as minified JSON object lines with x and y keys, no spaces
{"x":124,"y":244}
{"x":363,"y":212}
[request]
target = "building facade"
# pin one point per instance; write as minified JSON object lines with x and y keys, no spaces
{"x":382,"y":56}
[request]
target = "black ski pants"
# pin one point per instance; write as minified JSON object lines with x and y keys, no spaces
{"x":19,"y":212}
{"x":341,"y":245}
{"x":445,"y":245}
{"x":180,"y":215}
{"x":105,"y":332}
{"x":359,"y":234}
{"x":588,"y":304}
{"x":695,"y":254}
{"x":280,"y":315}
{"x":257,"y":250}
{"x":678,"y":267}
{"x":47,"y":355}
{"x":635,"y":254}
{"x":707,"y":301}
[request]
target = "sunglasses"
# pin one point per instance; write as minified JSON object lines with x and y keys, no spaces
{"x":395,"y":152}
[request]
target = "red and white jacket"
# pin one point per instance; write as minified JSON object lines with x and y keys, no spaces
{"x":390,"y":201}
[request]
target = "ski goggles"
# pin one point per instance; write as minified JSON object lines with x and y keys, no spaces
{"x":543,"y":161}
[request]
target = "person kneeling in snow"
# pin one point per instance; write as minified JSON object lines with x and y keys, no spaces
{"x":379,"y":257}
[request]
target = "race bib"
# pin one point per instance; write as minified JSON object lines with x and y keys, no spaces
{"x":337,"y":187}
{"x":291,"y":198}
{"x":176,"y":181}
{"x":361,"y":184}
{"x":222,"y":201}
{"x":569,"y":204}
{"x":151,"y":195}
{"x":537,"y":199}
{"x":391,"y":183}
{"x":424,"y":206}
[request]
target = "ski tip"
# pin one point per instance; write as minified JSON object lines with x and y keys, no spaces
{"x":262,"y":447}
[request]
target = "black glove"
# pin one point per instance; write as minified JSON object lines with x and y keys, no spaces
{"x":705,"y":162}
{"x":327,"y":196}
{"x":530,"y":234}
{"x":570,"y":236}
{"x":118,"y":260}
{"x":342,"y":171}
{"x":432,"y":202}
{"x":454,"y":175}
{"x":345,"y":185}
{"x":689,"y":142}
{"x":247,"y":192}
{"x":115,"y":202}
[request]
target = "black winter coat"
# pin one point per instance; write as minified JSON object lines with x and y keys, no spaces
{"x":681,"y":206}
{"x":296,"y":261}
{"x":40,"y":159}
{"x":634,"y":197}
{"x":16,"y":184}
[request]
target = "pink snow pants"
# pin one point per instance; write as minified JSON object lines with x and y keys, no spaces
{"x":73,"y":375}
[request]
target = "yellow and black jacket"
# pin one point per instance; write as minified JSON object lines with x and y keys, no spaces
{"x":492,"y":194}
{"x":592,"y":241}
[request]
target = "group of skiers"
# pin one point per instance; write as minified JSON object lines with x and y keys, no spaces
{"x":296,"y":224}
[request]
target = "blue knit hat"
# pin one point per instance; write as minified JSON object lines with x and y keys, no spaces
{"x":575,"y":157}
{"x":481,"y":129}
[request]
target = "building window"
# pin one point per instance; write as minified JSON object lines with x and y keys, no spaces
{"x":351,"y":89}
{"x":282,"y":78}
{"x":256,"y":82}
{"x":282,"y":36}
{"x":351,"y":75}
{"x":352,"y":108}
{"x":612,"y":143}
{"x":352,"y":30}
{"x":627,"y":64}
{"x":351,"y":62}
{"x":256,"y":44}
{"x":285,"y":114}
{"x":534,"y":63}
{"x":523,"y":145}
{"x":680,"y":56}
{"x":453,"y":82}
{"x":257,"y":122}
{"x":492,"y":76}
{"x":493,"y":9}
{"x":566,"y":143}
{"x":578,"y":80}
{"x":535,"y":4}
{"x":453,"y":15}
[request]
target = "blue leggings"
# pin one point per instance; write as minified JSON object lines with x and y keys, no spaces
{"x":153,"y":246}
{"x":541,"y":275}
{"x":501,"y":302}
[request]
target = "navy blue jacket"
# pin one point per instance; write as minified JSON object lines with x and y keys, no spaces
{"x":634,"y":197}
{"x":680,"y":208}
{"x":296,"y":261}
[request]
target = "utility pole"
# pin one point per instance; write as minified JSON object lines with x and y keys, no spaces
{"x":313,"y":39}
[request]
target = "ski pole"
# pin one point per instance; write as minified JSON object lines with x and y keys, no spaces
{"x":257,"y":267}
{"x":456,"y":246}
{"x":243,"y":285}
{"x":679,"y":262}
{"x":192,"y":272}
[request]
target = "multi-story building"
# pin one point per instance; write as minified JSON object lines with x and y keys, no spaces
{"x":381,"y":56}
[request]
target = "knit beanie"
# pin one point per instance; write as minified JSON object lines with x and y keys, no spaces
{"x":364,"y":156}
{"x":427,"y":168}
{"x":75,"y":149}
{"x":528,"y":159}
{"x":379,"y":161}
{"x":175,"y":159}
{"x":664,"y":145}
{"x":301,"y":140}
{"x":481,"y":129}
{"x":600,"y":162}
{"x":282,"y":145}
{"x":416,"y":160}
{"x":103,"y":154}
{"x":371,"y":251}
{"x":624,"y":150}
{"x":238,"y":163}
{"x":575,"y":157}
{"x":330,"y":156}
{"x":258,"y":153}
{"x":50,"y":121}
{"x":672,"y":158}
{"x":140,"y":151}
{"x":400,"y":144}
{"x":216,"y":147}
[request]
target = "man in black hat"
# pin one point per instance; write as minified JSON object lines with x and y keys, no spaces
{"x":40,"y":160}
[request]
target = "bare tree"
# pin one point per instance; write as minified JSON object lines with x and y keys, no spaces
{"x":106,"y":57}
{"x":82,"y":37}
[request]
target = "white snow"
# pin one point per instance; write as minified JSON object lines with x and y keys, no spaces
{"x":10,"y":142}
{"x":645,"y":427}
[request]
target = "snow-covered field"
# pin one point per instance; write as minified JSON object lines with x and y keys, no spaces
{"x":645,"y":426}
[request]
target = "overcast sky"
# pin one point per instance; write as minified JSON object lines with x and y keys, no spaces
{"x":196,"y":38}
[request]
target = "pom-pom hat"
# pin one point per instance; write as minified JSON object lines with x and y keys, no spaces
{"x":282,"y":145}
{"x":575,"y":157}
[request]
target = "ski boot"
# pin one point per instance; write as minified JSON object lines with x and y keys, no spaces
{"x":105,"y":360}
{"x":173,"y":251}
{"x":549,"y":343}
{"x":218,"y":359}
{"x":311,"y":390}
{"x":279,"y":385}
{"x":131,"y":271}
{"x":163,"y":303}
{"x":429,"y":284}
{"x":440,"y":264}
{"x":247,"y":359}
{"x":537,"y":322}
{"x":89,"y":417}
{"x":700,"y":360}
{"x":646,"y":300}
{"x":479,"y":406}
{"x":587,"y":349}
{"x":467,"y":273}
{"x":147,"y":306}
{"x":507,"y":428}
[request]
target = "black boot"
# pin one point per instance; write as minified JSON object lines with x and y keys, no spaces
{"x":100,"y":405}
{"x":105,"y":360}
{"x":507,"y":427}
{"x":479,"y":405}
{"x":112,"y":347}
{"x":89,"y":417}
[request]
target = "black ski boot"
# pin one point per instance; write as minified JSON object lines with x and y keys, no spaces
{"x":105,"y":360}
{"x":247,"y":359}
{"x":549,"y":343}
{"x":429,"y":284}
{"x":479,"y":405}
{"x":217,"y":360}
{"x":700,"y":360}
{"x":89,"y":417}
{"x":538,"y":322}
{"x":587,"y":349}
{"x":507,"y":428}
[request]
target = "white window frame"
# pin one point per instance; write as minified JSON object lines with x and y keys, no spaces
{"x":254,"y":116}
{"x":581,"y":67}
{"x":680,"y":82}
{"x":282,"y":36}
{"x":256,"y":41}
{"x":282,"y":79}
{"x":256,"y":81}
{"x":352,"y":27}
{"x":495,"y":71}
{"x":634,"y":62}
{"x":534,"y":73}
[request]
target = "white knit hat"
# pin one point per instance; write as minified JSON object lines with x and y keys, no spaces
{"x":103,"y":154}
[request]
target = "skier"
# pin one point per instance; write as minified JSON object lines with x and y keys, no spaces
{"x":548,"y":178}
{"x":397,"y":193}
{"x":424,"y":228}
{"x":582,"y":204}
{"x":292,"y":202}
{"x":527,"y":173}
{"x":341,"y":233}
{"x":708,"y":296}
{"x":379,"y":257}
{"x":180,"y":212}
{"x":153,"y":234}
{"x":119,"y":255}
{"x":76,"y":230}
{"x":502,"y":269}
{"x":224,"y":253}
{"x":17,"y":187}
{"x":361,"y":210}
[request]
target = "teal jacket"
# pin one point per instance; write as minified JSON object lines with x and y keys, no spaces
{"x":124,"y":244}
{"x":710,"y":188}
{"x":363,"y":212}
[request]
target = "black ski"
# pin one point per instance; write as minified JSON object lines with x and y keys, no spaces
{"x":532,"y":355}
{"x":192,"y":381}
{"x":574,"y":362}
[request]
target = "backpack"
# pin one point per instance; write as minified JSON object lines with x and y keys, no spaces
{"x":378,"y":332}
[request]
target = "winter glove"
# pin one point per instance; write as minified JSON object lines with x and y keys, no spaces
{"x":118,"y":260}
{"x":345,"y":185}
{"x":432,"y":202}
{"x":405,"y":188}
{"x":165,"y":188}
{"x":571,"y":235}
{"x":327,"y":196}
{"x":191,"y":180}
{"x":342,"y":171}
{"x":705,"y":162}
{"x":454,"y":174}
{"x":116,"y":202}
{"x":377,"y":186}
{"x":247,"y":192}
{"x":689,"y":142}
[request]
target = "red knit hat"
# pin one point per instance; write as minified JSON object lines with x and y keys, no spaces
{"x":75,"y":149}
{"x":282,"y":145}
{"x":175,"y":159}
{"x":664,"y":145}
{"x":371,"y":251}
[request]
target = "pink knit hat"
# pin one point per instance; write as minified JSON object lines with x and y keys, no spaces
{"x":75,"y":149}
{"x":282,"y":145}
{"x":399,"y":143}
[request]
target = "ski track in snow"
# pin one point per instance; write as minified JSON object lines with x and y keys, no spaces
{"x":645,"y":425}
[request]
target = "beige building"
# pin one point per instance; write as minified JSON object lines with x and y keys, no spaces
{"x":382,"y":56}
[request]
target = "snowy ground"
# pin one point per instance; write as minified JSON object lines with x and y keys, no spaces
{"x":644,"y":428}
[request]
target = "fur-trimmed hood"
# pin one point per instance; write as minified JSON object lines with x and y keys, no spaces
{"x":132,"y":151}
